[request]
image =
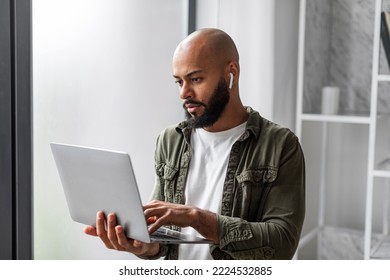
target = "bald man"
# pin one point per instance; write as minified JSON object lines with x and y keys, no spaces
{"x":225,"y":173}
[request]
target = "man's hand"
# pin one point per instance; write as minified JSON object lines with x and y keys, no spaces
{"x":164,"y":214}
{"x":114,"y":237}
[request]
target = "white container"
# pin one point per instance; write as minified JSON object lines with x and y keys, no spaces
{"x":330,"y":100}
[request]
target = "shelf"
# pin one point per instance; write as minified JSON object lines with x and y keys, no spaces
{"x":380,"y":250}
{"x":384,"y":78}
{"x":381,"y":173}
{"x":346,"y":243}
{"x":315,"y":47}
{"x":336,"y":118}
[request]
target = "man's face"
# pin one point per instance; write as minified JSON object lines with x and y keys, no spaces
{"x":203,"y":89}
{"x":211,"y":111}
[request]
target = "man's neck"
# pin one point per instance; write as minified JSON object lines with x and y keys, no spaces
{"x":229,"y":119}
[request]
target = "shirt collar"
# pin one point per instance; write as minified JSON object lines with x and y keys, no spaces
{"x":253,"y":125}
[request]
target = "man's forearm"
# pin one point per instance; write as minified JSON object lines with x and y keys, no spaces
{"x":205,"y":222}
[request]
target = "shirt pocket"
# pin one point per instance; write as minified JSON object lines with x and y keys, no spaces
{"x":167,"y":175}
{"x":251,"y":191}
{"x":258,"y":176}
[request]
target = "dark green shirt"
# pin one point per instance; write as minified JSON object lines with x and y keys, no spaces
{"x":263,"y":202}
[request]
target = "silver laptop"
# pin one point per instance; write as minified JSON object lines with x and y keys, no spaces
{"x":102,"y":180}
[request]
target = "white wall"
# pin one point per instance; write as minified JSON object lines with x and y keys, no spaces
{"x":285,"y":61}
{"x":103,"y":78}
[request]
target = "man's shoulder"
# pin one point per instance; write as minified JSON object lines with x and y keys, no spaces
{"x":269,"y":134}
{"x":273,"y":127}
{"x":265,"y":128}
{"x":279,"y":134}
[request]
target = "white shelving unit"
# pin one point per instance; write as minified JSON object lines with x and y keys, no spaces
{"x":369,"y":122}
{"x":373,"y":172}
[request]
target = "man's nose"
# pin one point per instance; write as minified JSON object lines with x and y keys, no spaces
{"x":186,"y":91}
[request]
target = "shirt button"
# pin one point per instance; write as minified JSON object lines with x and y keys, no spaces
{"x":267,"y":254}
{"x":268,"y":175}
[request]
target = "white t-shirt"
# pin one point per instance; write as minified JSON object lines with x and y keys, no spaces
{"x":205,"y":180}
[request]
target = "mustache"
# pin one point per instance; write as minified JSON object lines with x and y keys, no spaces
{"x":194,"y":102}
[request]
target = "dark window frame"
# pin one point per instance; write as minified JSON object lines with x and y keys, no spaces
{"x":15,"y":130}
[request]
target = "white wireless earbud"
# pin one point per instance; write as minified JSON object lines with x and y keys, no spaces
{"x":231,"y":80}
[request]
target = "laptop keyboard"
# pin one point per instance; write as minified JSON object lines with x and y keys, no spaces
{"x":160,"y":235}
{"x":167,"y":234}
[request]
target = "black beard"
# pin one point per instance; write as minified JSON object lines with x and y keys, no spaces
{"x":213,"y":110}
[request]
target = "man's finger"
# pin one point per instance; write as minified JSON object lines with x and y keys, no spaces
{"x":90,"y":231}
{"x":101,"y":230}
{"x":111,"y":232}
{"x":122,"y":238}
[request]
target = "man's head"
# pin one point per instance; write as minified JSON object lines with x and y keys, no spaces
{"x":203,"y":65}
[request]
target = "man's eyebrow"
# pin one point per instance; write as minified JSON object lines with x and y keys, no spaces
{"x":189,"y":74}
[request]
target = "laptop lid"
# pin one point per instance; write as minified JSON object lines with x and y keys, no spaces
{"x":96,"y":179}
{"x":103,"y":180}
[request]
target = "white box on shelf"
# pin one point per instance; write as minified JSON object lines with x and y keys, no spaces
{"x":330,"y":100}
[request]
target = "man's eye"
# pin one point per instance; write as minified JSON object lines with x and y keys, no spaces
{"x":195,"y":80}
{"x":179,"y":82}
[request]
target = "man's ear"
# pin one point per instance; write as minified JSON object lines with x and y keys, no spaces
{"x":233,"y":70}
